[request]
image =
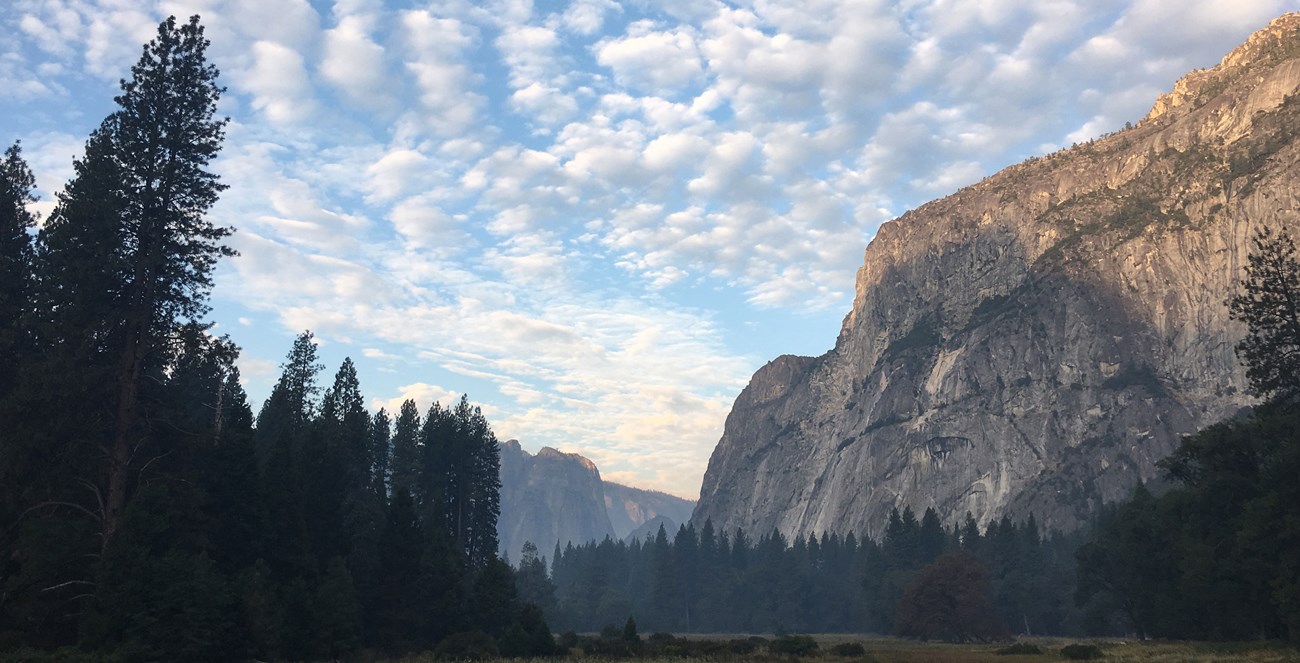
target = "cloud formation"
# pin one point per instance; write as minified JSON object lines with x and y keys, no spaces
{"x":582,"y":214}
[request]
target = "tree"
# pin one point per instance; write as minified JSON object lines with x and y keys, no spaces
{"x":460,"y":479}
{"x":134,"y":215}
{"x":949,"y":600}
{"x":406,"y":454}
{"x":1270,"y":307}
{"x":16,"y":223}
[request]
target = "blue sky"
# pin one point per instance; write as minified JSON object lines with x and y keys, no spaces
{"x":599,"y":217}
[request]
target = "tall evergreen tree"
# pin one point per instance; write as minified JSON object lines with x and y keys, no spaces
{"x":134,"y":214}
{"x":406,"y":453}
{"x":16,"y":224}
{"x":381,"y":451}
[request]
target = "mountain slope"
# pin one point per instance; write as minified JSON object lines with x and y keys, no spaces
{"x":1038,"y":341}
{"x":555,"y":497}
{"x":631,"y":508}
{"x":549,"y":498}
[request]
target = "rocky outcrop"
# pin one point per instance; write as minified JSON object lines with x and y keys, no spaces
{"x":555,"y":497}
{"x":549,"y":498}
{"x":631,"y":508}
{"x":1038,"y":341}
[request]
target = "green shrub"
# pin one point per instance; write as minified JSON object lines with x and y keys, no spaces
{"x":795,"y":645}
{"x":1020,"y":648}
{"x":849,"y":649}
{"x":741,"y":647}
{"x":467,"y":646}
{"x":1081,"y":652}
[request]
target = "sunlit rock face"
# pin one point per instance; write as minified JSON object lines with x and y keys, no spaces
{"x":549,"y":498}
{"x":630,"y":509}
{"x":1036,"y":342}
{"x":554,"y":497}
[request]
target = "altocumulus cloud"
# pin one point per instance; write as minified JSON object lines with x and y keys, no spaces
{"x":600,"y":217}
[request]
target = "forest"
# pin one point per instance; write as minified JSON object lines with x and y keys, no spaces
{"x":146,"y":512}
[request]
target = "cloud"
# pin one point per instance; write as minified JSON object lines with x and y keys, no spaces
{"x":355,"y":64}
{"x":435,"y":58}
{"x":660,"y":62}
{"x":424,"y":395}
{"x":279,"y":83}
{"x":580,"y":213}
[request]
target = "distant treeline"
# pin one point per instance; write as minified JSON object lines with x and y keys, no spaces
{"x":709,"y":582}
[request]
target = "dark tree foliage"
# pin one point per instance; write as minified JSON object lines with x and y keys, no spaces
{"x":1215,"y":556}
{"x":128,"y":253}
{"x":730,"y":584}
{"x":145,"y":513}
{"x":1269,"y":304}
{"x":16,"y":256}
{"x":949,"y":600}
{"x":406,"y":453}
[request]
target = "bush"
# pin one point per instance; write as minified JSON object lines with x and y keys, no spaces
{"x":741,"y":647}
{"x":1018,"y":648}
{"x":1081,"y":652}
{"x":795,"y":645}
{"x":467,"y":646}
{"x":849,"y":649}
{"x":949,"y":600}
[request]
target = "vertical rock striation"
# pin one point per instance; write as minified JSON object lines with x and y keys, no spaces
{"x":1035,"y":342}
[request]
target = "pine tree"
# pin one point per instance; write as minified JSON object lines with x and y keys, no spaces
{"x":381,"y":451}
{"x":16,"y":257}
{"x":406,"y":454}
{"x":133,"y":215}
{"x":1270,"y":307}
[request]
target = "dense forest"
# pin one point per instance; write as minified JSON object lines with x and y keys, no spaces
{"x":704,"y":581}
{"x":143,"y":510}
{"x":147,"y":513}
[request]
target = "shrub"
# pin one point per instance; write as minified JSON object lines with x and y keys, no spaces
{"x":795,"y":645}
{"x":1020,"y":648}
{"x":467,"y":646}
{"x":849,"y":649}
{"x":1081,"y":652}
{"x":741,"y":647}
{"x":949,"y":600}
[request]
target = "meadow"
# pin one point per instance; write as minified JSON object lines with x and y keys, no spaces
{"x":899,"y":650}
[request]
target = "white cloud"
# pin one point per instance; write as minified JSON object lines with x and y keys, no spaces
{"x":355,"y":64}
{"x":586,"y":17}
{"x":662,"y":62}
{"x":279,"y":84}
{"x":436,"y":49}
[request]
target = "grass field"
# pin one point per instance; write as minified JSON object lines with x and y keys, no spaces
{"x":895,"y":650}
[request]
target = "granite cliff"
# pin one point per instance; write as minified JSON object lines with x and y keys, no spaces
{"x":554,"y":497}
{"x":1036,"y":342}
{"x":631,"y":508}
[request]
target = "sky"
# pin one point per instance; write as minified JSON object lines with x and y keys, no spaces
{"x":596,"y":218}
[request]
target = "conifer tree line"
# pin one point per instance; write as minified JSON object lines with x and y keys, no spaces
{"x":144,"y":510}
{"x":705,"y":581}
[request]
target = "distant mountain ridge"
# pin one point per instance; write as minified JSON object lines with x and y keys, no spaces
{"x":555,"y":497}
{"x":1036,"y":342}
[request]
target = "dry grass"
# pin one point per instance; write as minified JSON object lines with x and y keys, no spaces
{"x":894,"y":650}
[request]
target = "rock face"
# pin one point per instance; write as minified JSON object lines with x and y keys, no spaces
{"x":549,"y":498}
{"x":556,"y":497}
{"x":631,"y":508}
{"x":1035,"y":342}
